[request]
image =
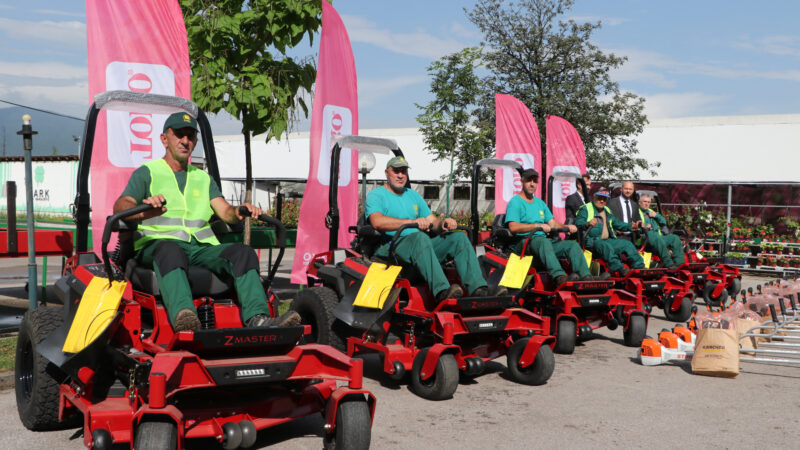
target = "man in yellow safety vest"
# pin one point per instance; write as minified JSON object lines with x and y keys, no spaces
{"x":176,"y":233}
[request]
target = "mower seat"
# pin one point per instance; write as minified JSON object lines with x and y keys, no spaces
{"x":203,"y":282}
{"x":501,"y":236}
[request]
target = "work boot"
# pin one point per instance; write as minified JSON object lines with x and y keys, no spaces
{"x":589,"y":277}
{"x":500,"y":291}
{"x":287,"y":319}
{"x":573,"y":277}
{"x":454,"y":291}
{"x":187,"y":320}
{"x":482,"y":291}
{"x":561,"y":279}
{"x":603,"y":276}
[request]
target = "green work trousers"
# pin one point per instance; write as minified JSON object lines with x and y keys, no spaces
{"x":174,"y":285}
{"x":663,"y":245}
{"x":546,"y":255}
{"x":427,"y":254}
{"x":609,"y":250}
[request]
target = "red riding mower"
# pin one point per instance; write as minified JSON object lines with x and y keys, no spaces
{"x":575,"y":308}
{"x":111,"y":356}
{"x":713,"y":281}
{"x":403,"y":323}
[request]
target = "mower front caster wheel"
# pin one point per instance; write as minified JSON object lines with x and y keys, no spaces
{"x":353,"y":427}
{"x":566,"y":334}
{"x":439,"y":386}
{"x":634,"y":333}
{"x":538,"y":372}
{"x":708,"y":295}
{"x":683,"y":313}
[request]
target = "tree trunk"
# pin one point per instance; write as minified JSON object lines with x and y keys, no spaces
{"x":248,"y":184}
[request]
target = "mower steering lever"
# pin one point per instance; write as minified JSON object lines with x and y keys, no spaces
{"x":398,"y":233}
{"x":110,"y":220}
{"x":280,"y":237}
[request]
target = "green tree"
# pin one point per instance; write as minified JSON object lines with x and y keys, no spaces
{"x":449,"y":122}
{"x":551,"y":65}
{"x":239,"y":55}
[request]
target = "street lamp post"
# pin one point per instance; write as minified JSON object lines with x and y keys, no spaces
{"x":27,"y":140}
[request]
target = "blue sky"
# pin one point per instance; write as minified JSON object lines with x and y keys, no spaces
{"x":687,"y":58}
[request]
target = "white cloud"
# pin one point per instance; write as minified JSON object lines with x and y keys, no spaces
{"x":609,"y":21}
{"x":775,"y":45}
{"x":371,"y":91}
{"x":44,"y":70}
{"x":684,"y":104}
{"x":419,"y":43}
{"x":70,"y":99}
{"x":66,"y":34}
{"x":463,"y":32}
{"x":59,"y":13}
{"x":655,"y":69}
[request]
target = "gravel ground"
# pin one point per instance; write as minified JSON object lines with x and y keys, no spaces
{"x":597,"y":397}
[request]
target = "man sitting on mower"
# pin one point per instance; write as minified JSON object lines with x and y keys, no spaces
{"x":529,"y":218}
{"x":601,"y":225}
{"x":392,"y":205}
{"x":172,"y":237}
{"x":658,"y":243}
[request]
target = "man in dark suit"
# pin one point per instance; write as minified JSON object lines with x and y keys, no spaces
{"x":624,"y":207}
{"x":575,"y":200}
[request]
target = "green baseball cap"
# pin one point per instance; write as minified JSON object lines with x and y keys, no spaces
{"x":397,"y":161}
{"x":180,"y":120}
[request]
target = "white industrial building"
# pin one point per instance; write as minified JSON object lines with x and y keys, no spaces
{"x":735,"y":149}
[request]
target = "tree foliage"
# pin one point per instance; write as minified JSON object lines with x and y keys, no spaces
{"x":449,"y":123}
{"x":238,"y":50}
{"x":533,"y":53}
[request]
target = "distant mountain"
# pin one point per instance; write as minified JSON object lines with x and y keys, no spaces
{"x":54,"y":131}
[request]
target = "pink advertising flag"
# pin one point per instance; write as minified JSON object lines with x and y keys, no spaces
{"x":334,"y":113}
{"x":517,"y":140}
{"x":136,"y":46}
{"x":565,"y":153}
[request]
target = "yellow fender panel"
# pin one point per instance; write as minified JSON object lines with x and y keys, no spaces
{"x":646,"y":256}
{"x":376,"y":286}
{"x":516,"y":271}
{"x":96,"y":310}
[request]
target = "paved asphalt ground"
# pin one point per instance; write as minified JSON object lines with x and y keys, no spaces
{"x":598,"y":397}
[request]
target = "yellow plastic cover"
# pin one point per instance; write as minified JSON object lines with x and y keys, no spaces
{"x":516,"y":271}
{"x":588,"y":255}
{"x":646,"y":256}
{"x":96,"y":310}
{"x":376,"y":286}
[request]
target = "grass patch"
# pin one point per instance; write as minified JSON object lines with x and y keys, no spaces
{"x":8,"y":348}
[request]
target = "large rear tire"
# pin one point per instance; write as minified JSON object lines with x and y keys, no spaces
{"x":538,"y":372}
{"x":566,"y":335}
{"x":315,"y":306}
{"x":35,"y":378}
{"x":442,"y":384}
{"x":735,"y":288}
{"x":156,"y":436}
{"x":353,"y":427}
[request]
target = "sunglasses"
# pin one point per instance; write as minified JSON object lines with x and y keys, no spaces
{"x":399,"y":169}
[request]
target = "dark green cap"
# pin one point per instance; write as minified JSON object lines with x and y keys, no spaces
{"x":397,"y":161}
{"x":180,"y":120}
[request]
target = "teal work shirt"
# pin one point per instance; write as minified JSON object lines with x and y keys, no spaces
{"x":408,"y":205}
{"x":521,"y":211}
